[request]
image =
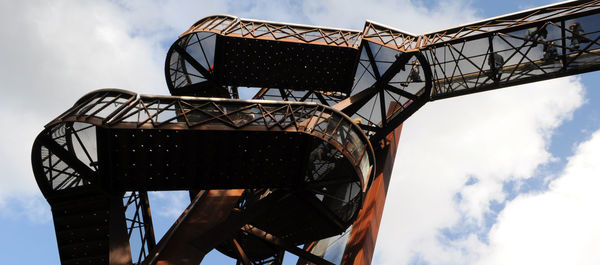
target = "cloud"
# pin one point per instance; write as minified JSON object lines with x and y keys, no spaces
{"x":169,"y":204}
{"x":453,"y":159}
{"x":558,"y":226}
{"x":412,"y":16}
{"x":52,"y":54}
{"x":33,"y":209}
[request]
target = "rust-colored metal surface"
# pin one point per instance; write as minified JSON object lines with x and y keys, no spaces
{"x":267,"y":30}
{"x":116,"y":142}
{"x":361,"y":245}
{"x":206,"y":213}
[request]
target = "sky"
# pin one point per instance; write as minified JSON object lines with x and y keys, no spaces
{"x":501,"y":177}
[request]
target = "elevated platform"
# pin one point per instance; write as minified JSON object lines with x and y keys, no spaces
{"x":220,"y":54}
{"x":225,"y":51}
{"x":295,"y":161}
{"x":115,"y":141}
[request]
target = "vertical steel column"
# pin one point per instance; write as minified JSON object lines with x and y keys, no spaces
{"x":563,"y":36}
{"x":361,"y":244}
{"x":148,"y":226}
{"x":204,"y":224}
{"x":119,"y":250}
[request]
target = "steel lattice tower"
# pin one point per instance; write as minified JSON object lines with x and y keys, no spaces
{"x":304,"y":165}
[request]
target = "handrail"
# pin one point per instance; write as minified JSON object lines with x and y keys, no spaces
{"x":121,"y":109}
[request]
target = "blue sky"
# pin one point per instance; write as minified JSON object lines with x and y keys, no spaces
{"x":493,"y":178}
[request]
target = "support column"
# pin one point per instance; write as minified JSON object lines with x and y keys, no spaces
{"x":202,"y":226}
{"x":361,"y":245}
{"x":148,"y":226}
{"x":119,"y":249}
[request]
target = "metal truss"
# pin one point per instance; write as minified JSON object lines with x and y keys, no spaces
{"x":390,"y":37}
{"x":385,"y":35}
{"x":387,"y":82}
{"x":267,"y":30}
{"x":139,"y":224}
{"x":335,"y":192}
{"x":524,"y":47}
{"x":281,"y":245}
{"x":343,"y":90}
{"x":388,"y":87}
{"x":246,"y":239}
{"x":122,"y":109}
{"x":561,"y":11}
{"x":64,"y":159}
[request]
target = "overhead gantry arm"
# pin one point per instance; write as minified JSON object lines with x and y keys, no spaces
{"x":524,"y":47}
{"x":398,"y":72}
{"x":382,"y":75}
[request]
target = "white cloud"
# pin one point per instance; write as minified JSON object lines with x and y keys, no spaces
{"x":54,"y":52}
{"x":412,"y":16}
{"x":559,"y":226}
{"x":33,"y":209}
{"x":169,"y":204}
{"x":16,"y":176}
{"x":493,"y":137}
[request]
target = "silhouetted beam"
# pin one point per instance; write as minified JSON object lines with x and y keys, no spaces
{"x":69,"y":158}
{"x":241,"y":253}
{"x":189,"y":58}
{"x":361,"y":242}
{"x":147,"y":217}
{"x":206,"y":212}
{"x":282,"y":244}
{"x":119,"y":249}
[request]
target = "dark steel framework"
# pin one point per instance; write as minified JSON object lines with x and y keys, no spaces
{"x":302,"y":167}
{"x":139,"y":224}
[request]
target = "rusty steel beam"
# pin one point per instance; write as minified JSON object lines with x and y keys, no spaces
{"x":147,"y":217}
{"x":382,"y":34}
{"x":241,"y":253}
{"x":276,"y":31}
{"x":119,"y":249}
{"x":361,"y":245}
{"x":302,"y":254}
{"x":205,"y":212}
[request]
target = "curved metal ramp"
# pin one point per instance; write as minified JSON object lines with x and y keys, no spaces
{"x":114,"y":141}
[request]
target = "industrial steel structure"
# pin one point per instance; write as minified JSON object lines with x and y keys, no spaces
{"x":300,"y":166}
